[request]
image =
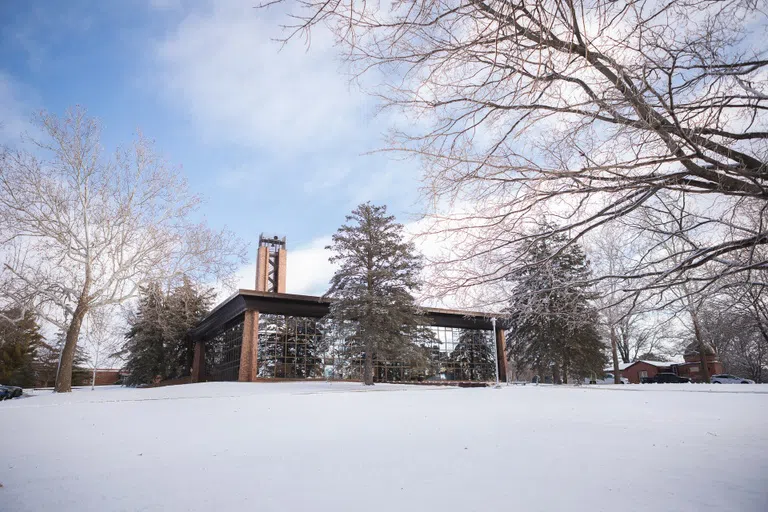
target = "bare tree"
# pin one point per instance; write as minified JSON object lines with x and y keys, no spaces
{"x":82,"y":230}
{"x":610,"y":258}
{"x":639,"y":336}
{"x":582,"y":111}
{"x":666,"y":231}
{"x":102,"y":338}
{"x":736,"y":321}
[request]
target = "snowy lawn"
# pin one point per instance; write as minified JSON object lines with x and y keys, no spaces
{"x":341,"y":447}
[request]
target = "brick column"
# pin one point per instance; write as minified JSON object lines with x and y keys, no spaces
{"x":282,"y":261}
{"x":501,"y":351}
{"x":262,"y":264}
{"x":198,"y":362}
{"x":249,"y":351}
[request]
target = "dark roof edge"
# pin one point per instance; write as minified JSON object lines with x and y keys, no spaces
{"x":315,"y":298}
{"x":323,"y":300}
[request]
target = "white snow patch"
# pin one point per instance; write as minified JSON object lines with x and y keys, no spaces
{"x":344,"y":447}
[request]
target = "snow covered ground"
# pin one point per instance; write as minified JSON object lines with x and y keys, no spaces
{"x":339,"y":447}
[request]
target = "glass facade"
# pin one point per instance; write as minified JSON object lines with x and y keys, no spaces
{"x":222,"y":353}
{"x":310,"y":348}
{"x":464,"y":354}
{"x":290,"y":347}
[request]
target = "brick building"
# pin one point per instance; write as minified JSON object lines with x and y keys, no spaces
{"x":266,"y":334}
{"x":690,"y":367}
{"x":635,"y":372}
{"x":109,"y":376}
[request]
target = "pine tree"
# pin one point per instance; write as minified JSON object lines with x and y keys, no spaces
{"x":19,"y":342}
{"x":46,"y":364}
{"x":378,"y":272}
{"x":145,"y":338}
{"x":554,"y":325}
{"x":186,"y":305}
{"x":157,"y":342}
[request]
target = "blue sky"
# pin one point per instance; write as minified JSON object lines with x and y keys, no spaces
{"x":274,"y":139}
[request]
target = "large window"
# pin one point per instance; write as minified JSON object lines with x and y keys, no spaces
{"x":222,"y":353}
{"x":464,"y":354}
{"x":290,"y":347}
{"x":309,"y":348}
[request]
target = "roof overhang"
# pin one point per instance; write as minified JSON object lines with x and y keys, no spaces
{"x":317,"y":307}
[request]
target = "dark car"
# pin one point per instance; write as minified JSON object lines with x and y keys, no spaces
{"x":12,"y":391}
{"x":5,"y":393}
{"x":666,"y":378}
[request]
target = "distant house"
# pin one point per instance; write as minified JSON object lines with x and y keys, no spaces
{"x":690,"y":367}
{"x":635,"y":372}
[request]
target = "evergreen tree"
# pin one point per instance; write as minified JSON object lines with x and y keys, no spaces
{"x":145,"y":338}
{"x":46,"y":364}
{"x":157,"y":345}
{"x":186,"y":305}
{"x":378,"y":272}
{"x":554,"y":325}
{"x":19,"y":342}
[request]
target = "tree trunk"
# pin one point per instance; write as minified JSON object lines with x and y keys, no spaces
{"x":64,"y":375}
{"x":700,"y":343}
{"x":614,"y":350}
{"x":556,"y":374}
{"x":565,"y":371}
{"x":368,"y":368}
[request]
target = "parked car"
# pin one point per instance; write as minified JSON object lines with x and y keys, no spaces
{"x":13,"y":391}
{"x":5,"y":393}
{"x":725,"y":378}
{"x":665,"y":378}
{"x":607,"y":379}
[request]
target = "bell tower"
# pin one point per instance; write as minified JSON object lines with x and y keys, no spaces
{"x":270,"y":264}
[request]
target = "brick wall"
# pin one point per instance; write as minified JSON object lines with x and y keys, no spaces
{"x":105,"y":377}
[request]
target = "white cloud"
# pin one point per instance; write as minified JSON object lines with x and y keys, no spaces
{"x":308,"y":269}
{"x":222,"y":67}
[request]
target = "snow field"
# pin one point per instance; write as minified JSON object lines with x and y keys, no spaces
{"x":341,"y":446}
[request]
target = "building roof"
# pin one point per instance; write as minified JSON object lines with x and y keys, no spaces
{"x":658,"y":364}
{"x":317,"y":307}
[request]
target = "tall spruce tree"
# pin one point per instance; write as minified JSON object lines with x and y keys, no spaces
{"x":186,"y":305}
{"x":372,"y":288}
{"x":145,"y":338}
{"x":554,"y":324}
{"x":157,"y":345}
{"x":46,"y":364}
{"x":19,"y":342}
